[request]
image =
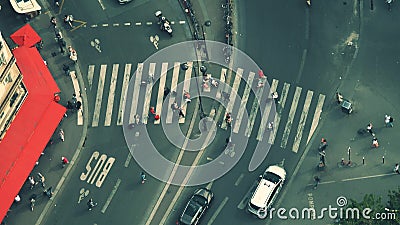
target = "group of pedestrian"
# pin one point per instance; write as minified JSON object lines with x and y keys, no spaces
{"x":370,"y":129}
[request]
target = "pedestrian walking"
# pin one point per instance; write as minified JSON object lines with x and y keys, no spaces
{"x":388,"y":121}
{"x":53,"y":21}
{"x":69,"y":19}
{"x":261,"y":74}
{"x":57,"y":3}
{"x":391,"y":120}
{"x":32,"y":182}
{"x":42,"y":180}
{"x":61,"y":135}
{"x":49,"y":192}
{"x":389,"y":3}
{"x":91,"y":204}
{"x":270,"y":126}
{"x":64,"y":161}
{"x":317,"y":180}
{"x":17,"y":199}
{"x":275,"y":97}
{"x":152,"y":110}
{"x":166,"y":92}
{"x":369,"y":129}
{"x":181,"y":114}
{"x":143,"y":177}
{"x":228,"y":118}
{"x":375,"y":143}
{"x":174,"y":106}
{"x":322,"y":157}
{"x":396,"y":168}
{"x":186,"y":96}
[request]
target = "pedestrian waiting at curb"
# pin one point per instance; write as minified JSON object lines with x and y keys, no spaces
{"x":64,"y":161}
{"x":317,"y":180}
{"x":42,"y":180}
{"x":396,"y":168}
{"x":32,"y":182}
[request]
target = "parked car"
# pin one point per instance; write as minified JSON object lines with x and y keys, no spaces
{"x":196,"y":207}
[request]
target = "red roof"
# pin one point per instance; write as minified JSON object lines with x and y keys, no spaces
{"x":25,"y":36}
{"x":32,"y":127}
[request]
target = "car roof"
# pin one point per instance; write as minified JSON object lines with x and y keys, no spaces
{"x":265,"y":187}
{"x":277,"y":170}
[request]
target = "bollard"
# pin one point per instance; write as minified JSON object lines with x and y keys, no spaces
{"x":342,"y":162}
{"x":348,"y":152}
{"x":363,"y":160}
{"x":383,"y":159}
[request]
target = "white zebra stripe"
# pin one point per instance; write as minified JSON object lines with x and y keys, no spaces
{"x":111,"y":95}
{"x":90,"y":76}
{"x":99,"y":96}
{"x":267,"y":111}
{"x":160,"y":96}
{"x":289,"y":122}
{"x":135,"y":94}
{"x":281,"y":106}
{"x":122,"y":101}
{"x":303,"y":118}
{"x":233,"y":93}
{"x":317,"y":115}
{"x":243,"y":102}
{"x":186,"y":87}
{"x":149,"y":87}
{"x":175,"y":76}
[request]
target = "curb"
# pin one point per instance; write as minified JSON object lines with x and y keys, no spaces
{"x":82,"y":141}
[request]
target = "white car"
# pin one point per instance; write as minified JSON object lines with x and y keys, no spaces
{"x":267,"y":190}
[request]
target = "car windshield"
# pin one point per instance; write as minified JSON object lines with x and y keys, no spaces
{"x":192,"y":208}
{"x":271,"y":177}
{"x":254,"y":206}
{"x":200,"y":200}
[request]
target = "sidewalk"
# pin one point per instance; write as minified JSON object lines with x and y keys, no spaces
{"x":50,"y":163}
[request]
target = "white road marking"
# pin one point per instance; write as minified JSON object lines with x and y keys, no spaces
{"x":214,"y":216}
{"x":175,"y":76}
{"x":138,"y":23}
{"x":243,"y":102}
{"x":149,"y":87}
{"x":124,"y":89}
{"x":302,"y":122}
{"x":111,"y":95}
{"x":246,"y":197}
{"x":281,"y":106}
{"x":186,"y":87}
{"x":116,"y":25}
{"x":267,"y":111}
{"x":94,"y":25}
{"x":317,"y":115}
{"x":182,"y":22}
{"x":232,"y":97}
{"x":254,"y":110}
{"x":129,"y":157}
{"x":90,"y":75}
{"x":77,"y":92}
{"x":105,"y":24}
{"x":110,"y":197}
{"x":127,"y":24}
{"x":135,"y":95}
{"x":172,"y":22}
{"x":99,"y":96}
{"x":240,"y":178}
{"x":149,"y":23}
{"x":160,"y":97}
{"x":221,"y":80}
{"x":102,"y":5}
{"x":289,"y":122}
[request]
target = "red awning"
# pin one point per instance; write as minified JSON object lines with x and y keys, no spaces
{"x":26,"y":36}
{"x":31,"y":129}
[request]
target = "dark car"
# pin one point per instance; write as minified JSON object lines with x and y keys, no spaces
{"x":196,"y":207}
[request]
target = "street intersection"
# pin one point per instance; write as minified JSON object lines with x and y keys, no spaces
{"x":305,"y":56}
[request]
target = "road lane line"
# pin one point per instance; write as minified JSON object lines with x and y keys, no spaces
{"x":138,"y":24}
{"x":111,"y":95}
{"x":317,"y":115}
{"x":278,"y":115}
{"x":149,"y":87}
{"x":182,"y":22}
{"x":267,"y":111}
{"x":128,"y":160}
{"x":289,"y":122}
{"x":102,"y":5}
{"x":186,"y":87}
{"x":160,"y":97}
{"x":177,"y":163}
{"x":115,"y":24}
{"x":303,"y":119}
{"x":221,"y":80}
{"x":303,"y":60}
{"x":216,"y":213}
{"x":232,"y":95}
{"x":240,"y":178}
{"x":254,"y":110}
{"x":90,"y":75}
{"x":243,"y":102}
{"x":110,"y":197}
{"x":127,"y":24}
{"x":135,"y":94}
{"x":149,"y":23}
{"x":172,"y":98}
{"x":99,"y":96}
{"x":124,"y":89}
{"x":105,"y":24}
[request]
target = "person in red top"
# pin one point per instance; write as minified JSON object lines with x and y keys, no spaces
{"x":64,"y":161}
{"x":152,"y":111}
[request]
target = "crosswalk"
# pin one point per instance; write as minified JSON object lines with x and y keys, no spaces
{"x":110,"y":83}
